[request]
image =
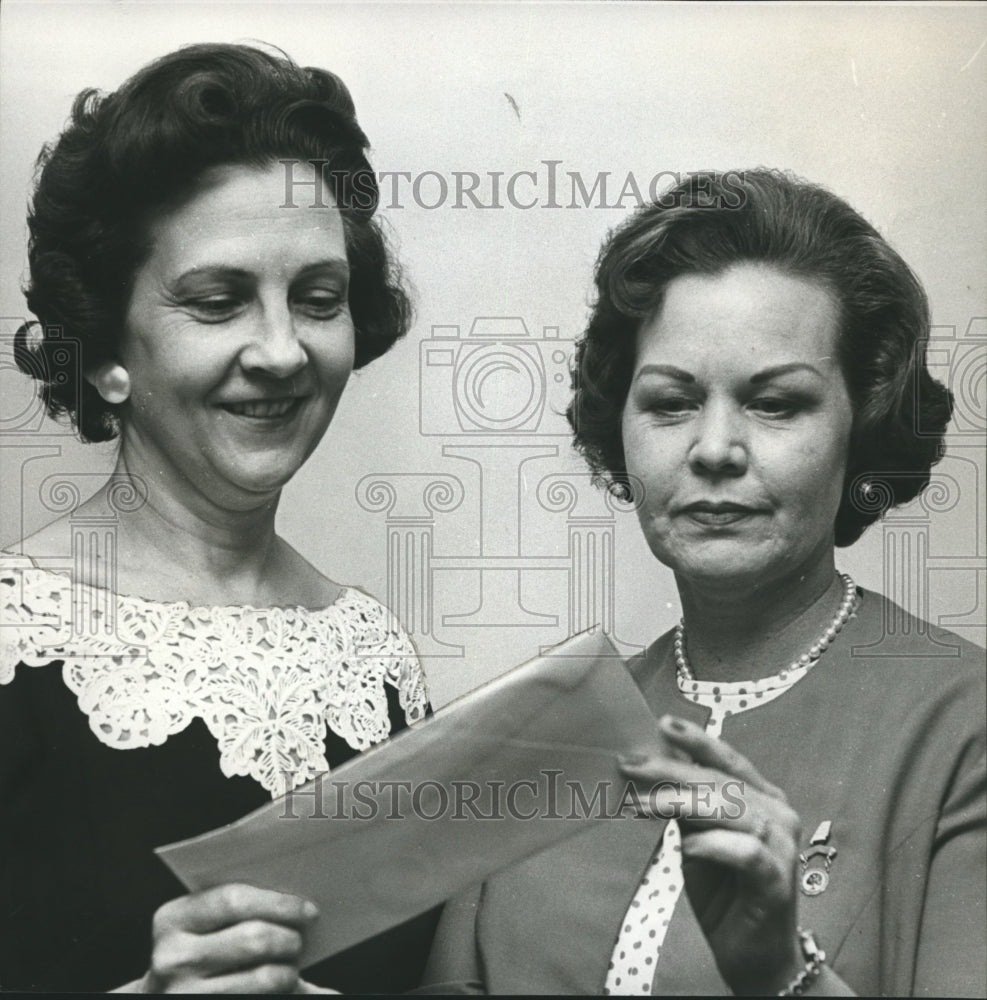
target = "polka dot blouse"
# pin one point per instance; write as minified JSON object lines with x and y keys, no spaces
{"x":638,"y":948}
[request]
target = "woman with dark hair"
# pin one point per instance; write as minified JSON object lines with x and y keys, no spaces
{"x":206,"y":272}
{"x":753,"y":377}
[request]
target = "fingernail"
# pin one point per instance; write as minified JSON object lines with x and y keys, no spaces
{"x":671,"y":722}
{"x":632,"y":759}
{"x":310,"y":910}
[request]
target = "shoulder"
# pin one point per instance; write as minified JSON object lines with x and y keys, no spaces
{"x":54,"y":540}
{"x":898,"y":671}
{"x":887,"y":635}
{"x":382,"y":645}
{"x":653,"y":657}
{"x":293,"y":580}
{"x":33,"y":613}
{"x":372,"y":621}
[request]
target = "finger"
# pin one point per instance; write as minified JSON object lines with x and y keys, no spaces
{"x":714,"y":753}
{"x":181,"y":958}
{"x":717,"y":802}
{"x":263,"y":979}
{"x":225,"y":905}
{"x":757,"y":864}
{"x":663,"y":767}
{"x":249,"y":944}
{"x":702,"y":797}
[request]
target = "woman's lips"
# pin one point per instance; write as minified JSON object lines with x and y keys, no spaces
{"x":718,"y":514}
{"x":263,"y":409}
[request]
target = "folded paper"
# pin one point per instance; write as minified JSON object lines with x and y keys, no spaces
{"x":494,"y":777}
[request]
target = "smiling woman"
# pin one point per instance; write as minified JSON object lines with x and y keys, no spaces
{"x":239,"y":337}
{"x":191,"y":664}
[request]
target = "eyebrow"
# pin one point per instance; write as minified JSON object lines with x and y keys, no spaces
{"x":337,"y":264}
{"x":340,"y":264}
{"x":680,"y":375}
{"x":796,"y":366}
{"x":668,"y":370}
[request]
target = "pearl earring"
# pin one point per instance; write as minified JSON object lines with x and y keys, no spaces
{"x":112,"y":382}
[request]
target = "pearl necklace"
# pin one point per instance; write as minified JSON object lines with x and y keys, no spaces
{"x":847,"y":607}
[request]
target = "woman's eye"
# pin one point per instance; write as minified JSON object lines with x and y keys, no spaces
{"x":216,"y":308}
{"x":321,"y":305}
{"x":672,"y":406}
{"x":774,"y":406}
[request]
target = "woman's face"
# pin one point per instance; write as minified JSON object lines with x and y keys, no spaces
{"x":238,"y":337}
{"x":738,"y":425}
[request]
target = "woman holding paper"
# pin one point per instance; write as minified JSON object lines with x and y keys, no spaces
{"x":753,"y":376}
{"x":206,"y":272}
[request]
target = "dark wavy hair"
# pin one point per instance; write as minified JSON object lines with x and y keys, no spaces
{"x":710,"y":222}
{"x":126,"y":155}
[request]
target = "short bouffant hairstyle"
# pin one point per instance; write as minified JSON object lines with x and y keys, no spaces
{"x":138,"y":150}
{"x":710,"y":222}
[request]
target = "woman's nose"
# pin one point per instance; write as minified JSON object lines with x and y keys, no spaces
{"x":274,"y":347}
{"x":720,"y":445}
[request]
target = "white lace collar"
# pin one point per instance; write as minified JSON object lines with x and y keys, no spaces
{"x":266,"y":681}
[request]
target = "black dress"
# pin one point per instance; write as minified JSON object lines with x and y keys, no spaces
{"x":118,"y":746}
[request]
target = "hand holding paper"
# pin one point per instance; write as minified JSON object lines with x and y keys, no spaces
{"x":230,"y":939}
{"x":490,"y":779}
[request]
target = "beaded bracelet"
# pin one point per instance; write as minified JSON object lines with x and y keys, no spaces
{"x":814,"y":958}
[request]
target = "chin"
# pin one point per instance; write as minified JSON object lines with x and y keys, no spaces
{"x":262,"y":482}
{"x":740,"y":574}
{"x":722,"y":576}
{"x":731,"y":565}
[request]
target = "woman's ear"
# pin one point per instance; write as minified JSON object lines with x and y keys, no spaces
{"x":111,"y":380}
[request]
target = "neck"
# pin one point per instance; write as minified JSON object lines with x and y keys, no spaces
{"x":742,"y":633}
{"x":180,"y":544}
